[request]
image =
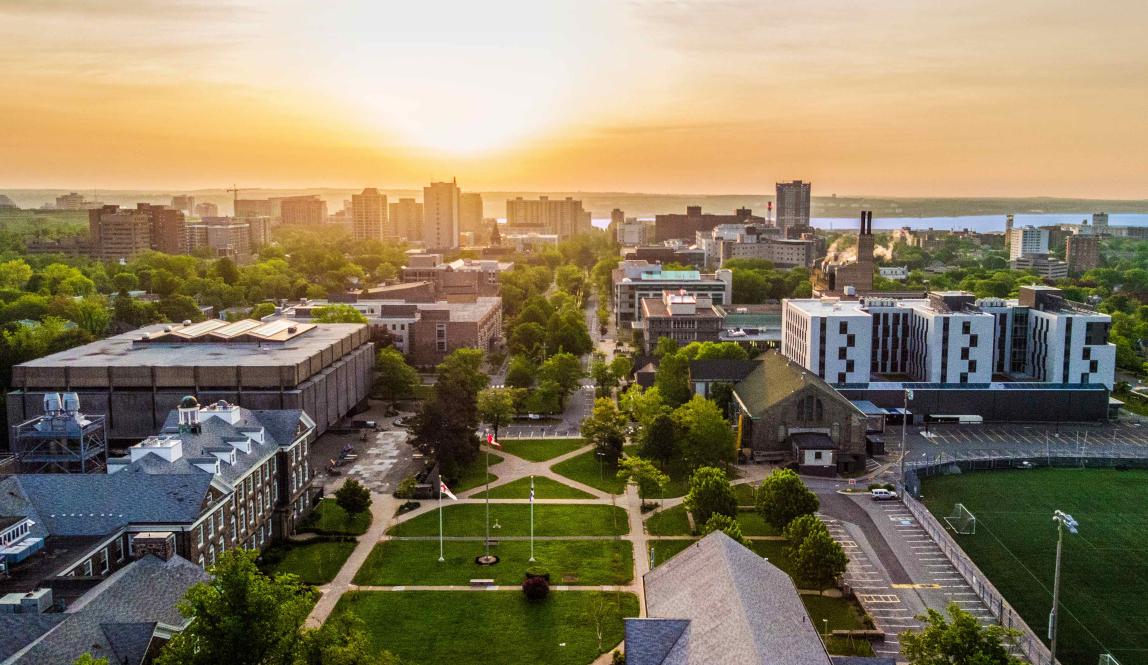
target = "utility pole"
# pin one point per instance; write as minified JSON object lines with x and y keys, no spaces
{"x":1063,"y":521}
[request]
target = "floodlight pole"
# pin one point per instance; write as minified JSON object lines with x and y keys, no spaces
{"x":1062,"y":519}
{"x":904,"y":434}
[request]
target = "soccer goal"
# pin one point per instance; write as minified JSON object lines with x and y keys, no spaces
{"x":962,"y":520}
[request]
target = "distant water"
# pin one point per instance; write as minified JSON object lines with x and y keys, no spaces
{"x":979,"y":223}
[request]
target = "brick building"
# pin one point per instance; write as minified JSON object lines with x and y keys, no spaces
{"x":116,"y":233}
{"x":682,"y":317}
{"x":465,"y":278}
{"x":685,"y":227}
{"x":841,"y":275}
{"x":1082,"y":253}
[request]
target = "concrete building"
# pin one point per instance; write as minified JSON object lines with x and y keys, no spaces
{"x":441,"y":215}
{"x":685,"y":227}
{"x":840,"y":275}
{"x":247,"y":208}
{"x":718,"y":602}
{"x":895,"y":273}
{"x":1100,"y":222}
{"x":635,"y":280}
{"x":406,"y":216}
{"x":206,"y":209}
{"x":426,"y":332}
{"x":561,"y":217}
{"x":137,"y":377}
{"x":1027,"y":240}
{"x":530,"y":242}
{"x":116,"y":233}
{"x":303,"y":210}
{"x":1044,"y":265}
{"x":682,"y":317}
{"x":633,"y":233}
{"x":786,"y":412}
{"x":951,"y":338}
{"x":369,"y":216}
{"x":470,"y":215}
{"x":761,"y":243}
{"x":227,"y":236}
{"x":617,"y":217}
{"x":461,"y":278}
{"x":73,"y":201}
{"x":184,"y":203}
{"x":793,"y":203}
{"x":1082,"y":253}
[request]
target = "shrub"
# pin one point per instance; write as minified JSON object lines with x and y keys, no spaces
{"x":536,"y":587}
{"x":406,"y":488}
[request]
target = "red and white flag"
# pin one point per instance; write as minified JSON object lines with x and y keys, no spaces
{"x":492,"y":443}
{"x":443,"y":489}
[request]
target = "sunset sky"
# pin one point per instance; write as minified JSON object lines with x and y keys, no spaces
{"x":891,"y":97}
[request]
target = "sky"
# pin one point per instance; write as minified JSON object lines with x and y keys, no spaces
{"x":884,"y":97}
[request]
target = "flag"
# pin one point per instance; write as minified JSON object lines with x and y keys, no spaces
{"x":443,"y":489}
{"x":492,"y":443}
{"x":531,"y":489}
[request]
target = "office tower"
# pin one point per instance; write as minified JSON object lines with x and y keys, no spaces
{"x":1082,"y":253}
{"x":183,"y":203}
{"x":1027,"y":240}
{"x":793,"y":203}
{"x":617,"y":218}
{"x":369,"y":215}
{"x":564,"y":217}
{"x":1100,"y":222}
{"x":406,"y":218}
{"x":71,"y":201}
{"x":206,"y":209}
{"x":303,"y":210}
{"x":470,"y":214}
{"x":440,"y":215}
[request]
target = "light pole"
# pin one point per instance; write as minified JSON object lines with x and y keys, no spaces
{"x":904,"y":434}
{"x":1063,"y":521}
{"x":601,"y":465}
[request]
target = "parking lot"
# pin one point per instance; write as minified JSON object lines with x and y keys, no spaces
{"x":1008,"y":441}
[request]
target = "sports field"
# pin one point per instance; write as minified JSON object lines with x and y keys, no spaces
{"x":1104,"y":572}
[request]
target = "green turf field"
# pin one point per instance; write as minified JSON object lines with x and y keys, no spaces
{"x":1104,"y":574}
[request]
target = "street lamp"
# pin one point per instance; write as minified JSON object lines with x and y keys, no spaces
{"x":601,"y":465}
{"x":1063,"y":521}
{"x":904,"y":433}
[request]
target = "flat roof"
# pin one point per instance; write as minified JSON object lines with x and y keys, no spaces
{"x":672,"y":275}
{"x":123,"y":351}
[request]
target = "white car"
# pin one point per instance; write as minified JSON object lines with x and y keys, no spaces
{"x":881,"y":494}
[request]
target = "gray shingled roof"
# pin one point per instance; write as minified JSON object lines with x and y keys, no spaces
{"x":110,"y":620}
{"x":721,"y":369}
{"x":740,"y":608}
{"x":19,"y":630}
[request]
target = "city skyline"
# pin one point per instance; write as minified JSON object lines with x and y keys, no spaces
{"x":895,"y":98}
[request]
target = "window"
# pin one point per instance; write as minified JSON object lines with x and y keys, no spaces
{"x":972,"y":365}
{"x":841,"y":353}
{"x":817,"y":455}
{"x":966,"y":327}
{"x":964,"y":353}
{"x":851,"y":340}
{"x":88,"y":568}
{"x":849,"y":365}
{"x":974,"y":340}
{"x":841,"y":377}
{"x":842,"y":327}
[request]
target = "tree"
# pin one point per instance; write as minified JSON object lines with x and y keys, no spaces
{"x":602,"y":612}
{"x":606,"y":429}
{"x":225,"y":269}
{"x":643,"y":405}
{"x":444,"y":430}
{"x":239,"y":616}
{"x":565,"y":369}
{"x":546,"y":398}
{"x":727,"y":525}
{"x":704,"y":435}
{"x":520,"y":372}
{"x":15,"y":274}
{"x":125,"y":281}
{"x":644,"y":474}
{"x":672,"y":378}
{"x":659,"y":439}
{"x":393,"y":376}
{"x":710,"y":492}
{"x":570,"y":278}
{"x":353,"y":497}
{"x":464,"y":366}
{"x":88,"y":659}
{"x":496,"y":406}
{"x":341,"y":640}
{"x":528,"y":339}
{"x":261,"y":310}
{"x":782,"y":498}
{"x":337,"y":314}
{"x":535,"y":587}
{"x":798,"y":530}
{"x":603,"y":376}
{"x":959,"y":639}
{"x":820,"y":559}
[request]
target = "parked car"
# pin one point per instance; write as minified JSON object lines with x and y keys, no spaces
{"x":1025,"y":464}
{"x":881,"y":494}
{"x":533,"y":416}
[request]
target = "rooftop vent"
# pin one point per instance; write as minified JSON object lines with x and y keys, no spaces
{"x":187,"y":322}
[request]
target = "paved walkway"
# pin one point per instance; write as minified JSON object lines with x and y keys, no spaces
{"x":383,"y":507}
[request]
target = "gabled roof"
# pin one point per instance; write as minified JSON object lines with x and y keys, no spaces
{"x":722,"y":369}
{"x":115,"y":617}
{"x":775,"y":379}
{"x":741,"y":609}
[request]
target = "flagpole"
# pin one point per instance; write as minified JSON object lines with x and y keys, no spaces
{"x":487,"y":545}
{"x":440,"y":557}
{"x":531,"y":519}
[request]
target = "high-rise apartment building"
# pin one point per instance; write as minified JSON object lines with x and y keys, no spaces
{"x":793,"y":203}
{"x":369,"y":215}
{"x":168,"y":229}
{"x":206,"y":209}
{"x":440,"y":215}
{"x":561,"y":217}
{"x":303,"y":210}
{"x":1100,"y":222}
{"x":617,"y":217}
{"x":247,"y":208}
{"x":184,"y":203}
{"x":117,"y":233}
{"x":470,"y":214}
{"x":1027,"y":240}
{"x":406,"y":218}
{"x":1082,"y":253}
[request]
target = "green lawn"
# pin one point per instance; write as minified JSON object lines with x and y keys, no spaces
{"x":398,"y":562}
{"x":669,"y":522}
{"x":540,"y":450}
{"x":774,"y":550}
{"x":315,"y":563}
{"x":329,"y":518}
{"x":842,"y":614}
{"x":664,"y":550}
{"x":584,"y":469}
{"x":753,"y":524}
{"x":1104,"y":575}
{"x":468,"y":519}
{"x":475,"y":474}
{"x":744,"y":493}
{"x":679,"y":475}
{"x":544,"y":488}
{"x":488,"y":627}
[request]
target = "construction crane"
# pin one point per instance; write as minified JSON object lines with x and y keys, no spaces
{"x":235,"y":200}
